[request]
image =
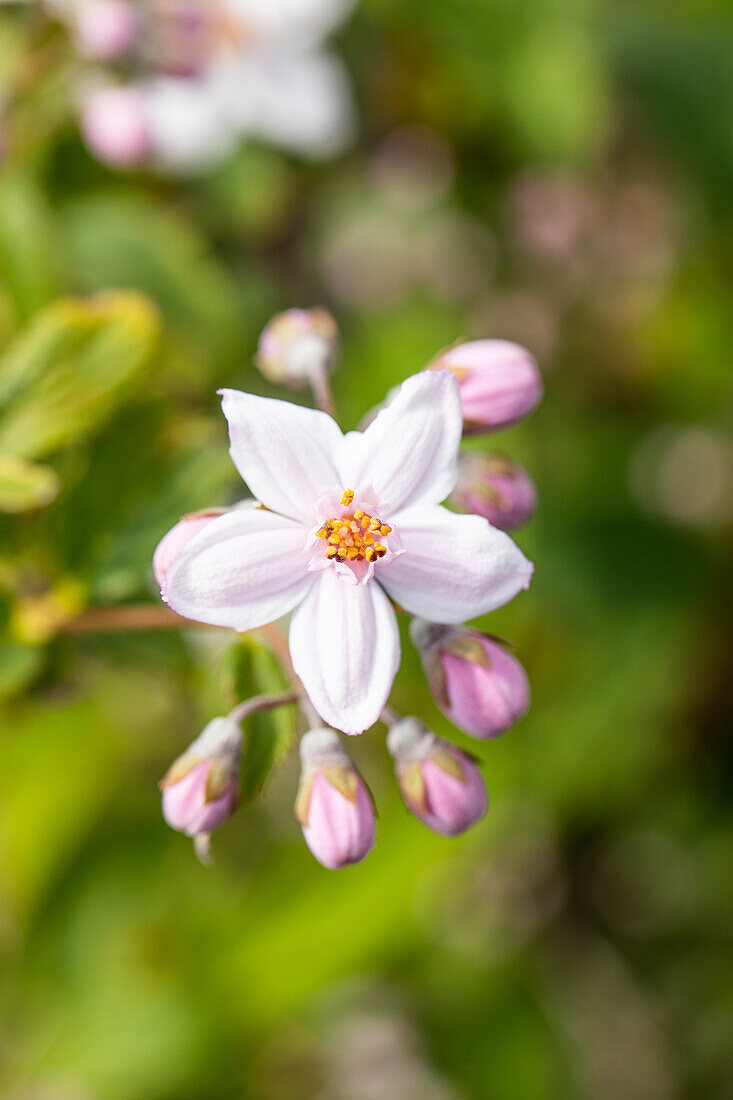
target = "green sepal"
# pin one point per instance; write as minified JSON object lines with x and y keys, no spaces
{"x":217,"y":781}
{"x":509,"y":646}
{"x":344,"y":779}
{"x":448,"y":763}
{"x":412,"y":784}
{"x":303,"y":799}
{"x":468,"y":647}
{"x":435,"y":675}
{"x":179,"y":769}
{"x":491,"y":495}
{"x":501,"y":464}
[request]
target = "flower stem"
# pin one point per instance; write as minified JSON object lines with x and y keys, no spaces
{"x":263,"y":702}
{"x":321,"y":389}
{"x":131,"y":616}
{"x":149,"y":616}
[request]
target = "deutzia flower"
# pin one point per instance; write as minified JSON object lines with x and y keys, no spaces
{"x":348,"y":526}
{"x":205,"y":73}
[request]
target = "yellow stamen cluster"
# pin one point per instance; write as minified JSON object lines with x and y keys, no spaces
{"x":354,"y":537}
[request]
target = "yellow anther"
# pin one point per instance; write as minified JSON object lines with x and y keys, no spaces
{"x":353,"y":537}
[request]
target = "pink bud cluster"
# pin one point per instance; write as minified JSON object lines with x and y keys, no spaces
{"x":474,"y":678}
{"x":440,"y":785}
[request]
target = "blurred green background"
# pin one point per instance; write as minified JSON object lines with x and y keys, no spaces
{"x":556,"y":172}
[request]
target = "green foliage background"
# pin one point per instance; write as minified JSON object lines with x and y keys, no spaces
{"x":577,"y":943}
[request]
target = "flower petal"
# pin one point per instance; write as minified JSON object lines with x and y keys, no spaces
{"x":299,"y":22}
{"x":300,"y":100}
{"x":408,"y":453}
{"x":242,"y":570}
{"x":454,"y":567}
{"x":345,"y":647}
{"x":283,"y":451}
{"x":188,"y":129}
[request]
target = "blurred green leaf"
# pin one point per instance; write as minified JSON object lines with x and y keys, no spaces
{"x":72,"y":369}
{"x":18,"y":665}
{"x":25,"y":485}
{"x":252,"y":669}
{"x":132,"y":240}
{"x":30,"y":261}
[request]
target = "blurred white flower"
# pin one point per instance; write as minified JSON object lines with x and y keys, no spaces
{"x":208,"y":72}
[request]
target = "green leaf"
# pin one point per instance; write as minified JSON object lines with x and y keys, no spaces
{"x":18,"y":666}
{"x":252,"y":669}
{"x":133,"y":240}
{"x":78,"y":362}
{"x":29,"y":252}
{"x":25,"y":485}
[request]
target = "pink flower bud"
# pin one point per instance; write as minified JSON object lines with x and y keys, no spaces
{"x":200,"y":787}
{"x":107,"y":29}
{"x":496,"y":488}
{"x":115,"y":125}
{"x":477,"y":684}
{"x":174,"y":541}
{"x":440,"y":784}
{"x":334,"y":805}
{"x":499,"y":382}
{"x":297,"y":345}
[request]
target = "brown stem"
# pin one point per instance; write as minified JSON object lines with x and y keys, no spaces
{"x":142,"y":616}
{"x":150,"y":616}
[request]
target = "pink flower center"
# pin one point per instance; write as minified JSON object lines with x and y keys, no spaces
{"x":355,"y":536}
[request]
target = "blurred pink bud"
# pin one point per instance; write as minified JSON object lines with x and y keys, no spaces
{"x":107,"y":29}
{"x":477,"y":684}
{"x":440,"y":784}
{"x":200,"y":787}
{"x":500,"y":382}
{"x":115,"y":126}
{"x":298,"y":345}
{"x":179,"y":536}
{"x":334,"y":805}
{"x":495,"y":487}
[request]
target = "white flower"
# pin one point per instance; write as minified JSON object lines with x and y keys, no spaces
{"x":212,"y":71}
{"x":349,"y":523}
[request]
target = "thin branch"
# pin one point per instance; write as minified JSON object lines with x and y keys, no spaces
{"x":150,"y":616}
{"x":131,"y":616}
{"x":263,"y":702}
{"x":321,"y":389}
